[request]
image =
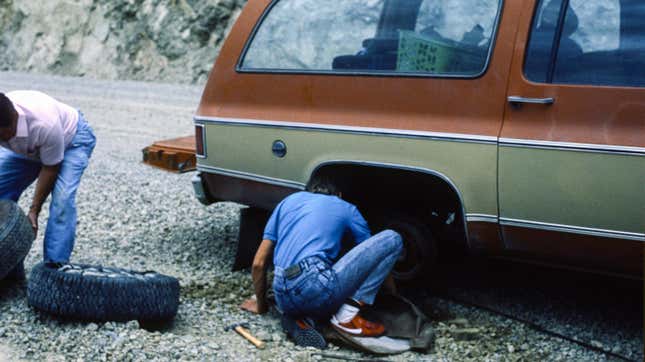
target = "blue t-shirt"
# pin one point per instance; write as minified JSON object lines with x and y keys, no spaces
{"x":306,"y":224}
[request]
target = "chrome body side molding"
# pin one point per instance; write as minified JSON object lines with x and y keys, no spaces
{"x":252,"y":177}
{"x":482,"y":218}
{"x":439,"y":136}
{"x":472,"y":217}
{"x":572,"y":229}
{"x":571,"y":146}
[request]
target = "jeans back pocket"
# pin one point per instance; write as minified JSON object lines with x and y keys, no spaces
{"x":311,"y":293}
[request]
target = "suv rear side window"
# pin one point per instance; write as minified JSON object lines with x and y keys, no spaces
{"x":418,"y":37}
{"x":593,"y":42}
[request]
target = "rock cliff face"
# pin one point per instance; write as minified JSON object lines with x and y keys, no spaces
{"x":160,"y":40}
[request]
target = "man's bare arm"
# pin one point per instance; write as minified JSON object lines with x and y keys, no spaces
{"x":258,"y":271}
{"x":46,"y":180}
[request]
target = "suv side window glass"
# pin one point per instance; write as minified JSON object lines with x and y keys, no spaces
{"x":598,"y":42}
{"x":420,"y":37}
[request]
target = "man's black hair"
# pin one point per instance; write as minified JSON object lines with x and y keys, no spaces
{"x":323,"y":185}
{"x":7,"y":112}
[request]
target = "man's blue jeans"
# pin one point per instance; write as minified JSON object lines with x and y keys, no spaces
{"x":320,"y":289}
{"x":18,"y":172}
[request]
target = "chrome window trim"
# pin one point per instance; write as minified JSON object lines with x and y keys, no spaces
{"x":555,"y":50}
{"x":251,"y":176}
{"x":239,"y":68}
{"x":371,"y":131}
{"x":205,"y":155}
{"x":572,"y":146}
{"x":572,"y":229}
{"x":482,"y":218}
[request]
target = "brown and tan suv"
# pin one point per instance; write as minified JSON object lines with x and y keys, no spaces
{"x":507,"y":128}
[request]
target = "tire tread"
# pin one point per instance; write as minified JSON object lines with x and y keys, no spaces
{"x":102,"y":299}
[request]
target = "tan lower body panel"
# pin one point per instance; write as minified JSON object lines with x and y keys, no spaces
{"x":550,"y":186}
{"x":573,"y":188}
{"x":575,"y":208}
{"x":470,"y":166}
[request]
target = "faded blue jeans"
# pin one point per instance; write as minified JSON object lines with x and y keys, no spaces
{"x":320,"y":288}
{"x":18,"y":172}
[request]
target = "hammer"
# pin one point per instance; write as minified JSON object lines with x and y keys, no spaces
{"x":241,"y":329}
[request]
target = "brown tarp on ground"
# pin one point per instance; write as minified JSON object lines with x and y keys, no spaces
{"x":407,"y":328}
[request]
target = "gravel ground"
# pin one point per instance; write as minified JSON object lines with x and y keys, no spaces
{"x":134,"y":216}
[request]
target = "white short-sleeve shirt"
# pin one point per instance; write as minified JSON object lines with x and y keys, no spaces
{"x":45,"y":126}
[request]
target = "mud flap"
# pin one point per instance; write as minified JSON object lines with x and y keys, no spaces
{"x":252,"y":222}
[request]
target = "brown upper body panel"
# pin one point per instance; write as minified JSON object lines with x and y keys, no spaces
{"x":465,"y":106}
{"x":591,"y":114}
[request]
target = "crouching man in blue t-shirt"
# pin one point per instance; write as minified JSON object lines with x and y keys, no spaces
{"x":305,"y":233}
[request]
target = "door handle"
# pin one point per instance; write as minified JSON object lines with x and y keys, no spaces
{"x":517,"y":100}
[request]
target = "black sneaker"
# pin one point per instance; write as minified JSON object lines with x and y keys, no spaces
{"x":302,"y":333}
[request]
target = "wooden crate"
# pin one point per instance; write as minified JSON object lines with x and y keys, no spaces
{"x":175,"y":155}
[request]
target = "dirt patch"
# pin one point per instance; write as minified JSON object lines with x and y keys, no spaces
{"x":7,"y":354}
{"x":223,"y":290}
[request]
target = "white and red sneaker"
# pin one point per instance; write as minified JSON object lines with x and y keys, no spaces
{"x":359,"y":327}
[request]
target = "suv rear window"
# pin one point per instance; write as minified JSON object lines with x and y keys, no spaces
{"x":597,"y":42}
{"x":416,"y":37}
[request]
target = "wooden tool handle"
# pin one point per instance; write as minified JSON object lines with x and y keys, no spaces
{"x":244,"y":333}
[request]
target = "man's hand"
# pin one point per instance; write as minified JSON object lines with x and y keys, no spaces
{"x":251,"y":305}
{"x":46,"y":179}
{"x":259,"y":305}
{"x":33,"y":219}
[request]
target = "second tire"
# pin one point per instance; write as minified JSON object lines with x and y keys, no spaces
{"x":96,"y":293}
{"x":16,"y":237}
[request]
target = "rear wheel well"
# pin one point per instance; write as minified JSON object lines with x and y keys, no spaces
{"x":382,"y":190}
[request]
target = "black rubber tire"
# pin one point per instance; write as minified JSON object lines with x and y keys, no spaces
{"x":16,"y":236}
{"x":17,"y":273}
{"x":146,"y":296}
{"x":419,"y":253}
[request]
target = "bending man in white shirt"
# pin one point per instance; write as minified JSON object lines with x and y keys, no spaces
{"x":44,"y":139}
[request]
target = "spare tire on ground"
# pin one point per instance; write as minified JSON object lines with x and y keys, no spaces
{"x":95,"y":293}
{"x":16,"y":236}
